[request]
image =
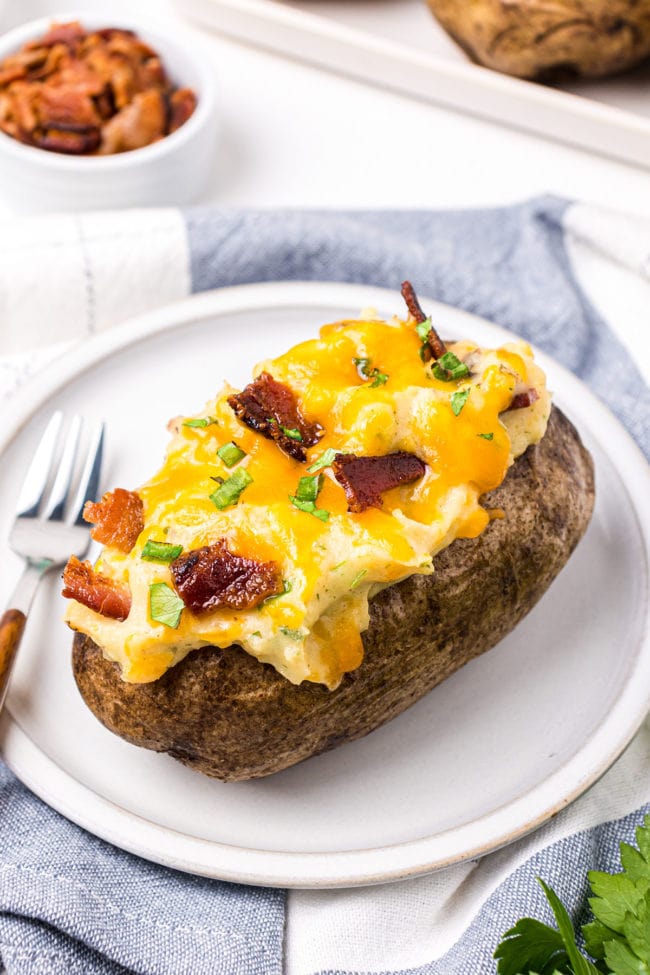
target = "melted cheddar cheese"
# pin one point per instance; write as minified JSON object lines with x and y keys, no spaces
{"x":331,"y":568}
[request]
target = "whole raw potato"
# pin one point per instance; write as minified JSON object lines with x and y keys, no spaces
{"x":227,"y":715}
{"x":546,"y":38}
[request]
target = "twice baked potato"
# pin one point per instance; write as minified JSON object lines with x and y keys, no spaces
{"x":245,"y":627}
{"x":546,"y":38}
{"x":224,"y":713}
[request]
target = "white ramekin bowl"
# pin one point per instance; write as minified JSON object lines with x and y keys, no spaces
{"x":174,"y":171}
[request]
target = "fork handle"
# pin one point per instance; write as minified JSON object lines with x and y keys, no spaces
{"x":13,"y":622}
{"x":12,"y":625}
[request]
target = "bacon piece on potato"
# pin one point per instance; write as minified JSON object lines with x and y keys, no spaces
{"x":118,"y":518}
{"x":271,"y":409}
{"x":213,"y":577}
{"x":523,"y":399}
{"x":364,"y":479}
{"x":97,"y":592}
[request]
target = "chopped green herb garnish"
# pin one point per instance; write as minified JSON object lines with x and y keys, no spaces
{"x":309,"y":488}
{"x":230,"y":491}
{"x":423,"y":329}
{"x":287,"y":587}
{"x":486,"y":436}
{"x":358,"y":577}
{"x":364,"y":370}
{"x":306,"y":495}
{"x":200,"y":422}
{"x":164,"y":605}
{"x":326,"y":459}
{"x":256,"y":633}
{"x":292,"y":432}
{"x":292,"y":634}
{"x":449,"y":367}
{"x":160,"y":552}
{"x":231,"y":454}
{"x":458,"y":400}
{"x":339,"y":565}
{"x":379,"y":378}
{"x":310,"y":508}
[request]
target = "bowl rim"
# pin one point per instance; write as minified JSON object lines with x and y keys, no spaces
{"x":188,"y":46}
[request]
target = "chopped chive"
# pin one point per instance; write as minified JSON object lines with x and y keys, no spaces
{"x":486,"y":436}
{"x":310,"y":508}
{"x":309,"y":487}
{"x":306,"y":495}
{"x":231,"y":454}
{"x":287,"y":587}
{"x":164,"y":605}
{"x":361,"y":364}
{"x":292,"y":634}
{"x":358,"y":577}
{"x":256,"y":633}
{"x":230,"y":491}
{"x":200,"y":422}
{"x":449,"y":367}
{"x":364,"y":370}
{"x":458,"y":400}
{"x":160,"y":552}
{"x":339,"y":565}
{"x":292,"y":432}
{"x":423,"y":329}
{"x":326,"y":459}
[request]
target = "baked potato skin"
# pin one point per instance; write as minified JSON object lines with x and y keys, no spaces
{"x":546,"y":38}
{"x":225,"y":714}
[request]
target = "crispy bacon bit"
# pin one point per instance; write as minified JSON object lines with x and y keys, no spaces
{"x":364,"y":479}
{"x":267,"y":406}
{"x":523,"y":399}
{"x":181,"y":106}
{"x":81,"y":92}
{"x":69,"y":143}
{"x":60,"y":34}
{"x":138,"y":124}
{"x":97,"y":592}
{"x":436,"y":347}
{"x":213,"y":577}
{"x":118,"y":517}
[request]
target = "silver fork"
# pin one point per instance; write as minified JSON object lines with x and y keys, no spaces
{"x":48,"y":527}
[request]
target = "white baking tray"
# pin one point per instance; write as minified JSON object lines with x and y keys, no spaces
{"x":399,"y":45}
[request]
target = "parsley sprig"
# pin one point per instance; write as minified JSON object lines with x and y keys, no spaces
{"x":618,"y":939}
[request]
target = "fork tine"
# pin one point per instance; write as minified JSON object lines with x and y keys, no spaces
{"x":33,"y":489}
{"x":89,"y":483}
{"x":59,"y":493}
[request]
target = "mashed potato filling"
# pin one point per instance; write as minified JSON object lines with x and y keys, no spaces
{"x":367,"y":385}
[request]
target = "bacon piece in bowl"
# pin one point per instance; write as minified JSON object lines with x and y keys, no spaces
{"x":80,"y":92}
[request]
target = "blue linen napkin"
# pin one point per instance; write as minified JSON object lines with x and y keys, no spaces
{"x":70,"y":903}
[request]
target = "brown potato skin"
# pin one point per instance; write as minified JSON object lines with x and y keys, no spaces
{"x":549,"y":38}
{"x":225,"y":714}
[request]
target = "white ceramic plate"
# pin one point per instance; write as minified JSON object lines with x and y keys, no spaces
{"x":487,"y":756}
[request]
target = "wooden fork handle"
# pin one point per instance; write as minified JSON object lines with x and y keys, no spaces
{"x":12,"y":625}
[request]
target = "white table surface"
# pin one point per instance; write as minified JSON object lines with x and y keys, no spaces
{"x":299,"y":136}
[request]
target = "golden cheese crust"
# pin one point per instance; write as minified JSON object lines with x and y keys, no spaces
{"x":223,"y":713}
